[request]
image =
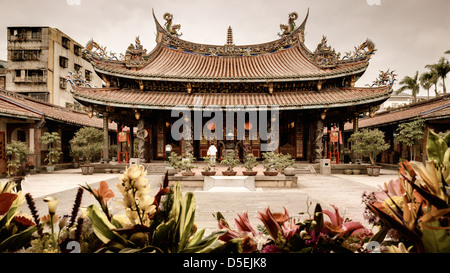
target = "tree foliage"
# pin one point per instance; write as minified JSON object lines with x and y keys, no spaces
{"x":410,"y":133}
{"x":369,"y":143}
{"x":87,"y":142}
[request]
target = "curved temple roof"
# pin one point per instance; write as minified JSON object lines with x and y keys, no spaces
{"x":285,"y":59}
{"x":284,"y":100}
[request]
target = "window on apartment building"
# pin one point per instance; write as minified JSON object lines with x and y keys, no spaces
{"x":62,"y":83}
{"x":36,"y":34}
{"x":25,"y":55}
{"x":88,"y":75}
{"x":3,"y":82}
{"x":39,"y":96}
{"x":18,"y":73}
{"x":65,"y":42}
{"x":18,"y":34}
{"x":76,"y":67}
{"x":63,"y":61}
{"x":30,"y":75}
{"x":77,"y":50}
{"x":35,"y":75}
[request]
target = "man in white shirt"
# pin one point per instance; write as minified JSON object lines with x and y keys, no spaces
{"x":168,"y":151}
{"x":212,"y":152}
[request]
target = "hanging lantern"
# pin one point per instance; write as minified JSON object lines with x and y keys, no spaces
{"x":211,"y":126}
{"x":248,"y":125}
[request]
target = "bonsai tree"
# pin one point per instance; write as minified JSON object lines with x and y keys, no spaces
{"x":87,"y":142}
{"x":175,"y":160}
{"x":284,"y":161}
{"x":187,"y":163}
{"x":209,"y":164}
{"x":410,"y":134}
{"x":368,"y":143}
{"x":53,"y":140}
{"x":17,"y":152}
{"x":250,"y":162}
{"x":270,"y":162}
{"x":230,"y":161}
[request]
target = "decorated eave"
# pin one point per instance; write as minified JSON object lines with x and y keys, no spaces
{"x":282,"y":60}
{"x":142,"y":100}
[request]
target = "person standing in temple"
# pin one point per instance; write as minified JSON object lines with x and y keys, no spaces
{"x":212,"y":152}
{"x":168,"y":151}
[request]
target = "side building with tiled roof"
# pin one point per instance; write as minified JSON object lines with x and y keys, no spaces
{"x":25,"y":119}
{"x":435,"y":112}
{"x":308,"y":90}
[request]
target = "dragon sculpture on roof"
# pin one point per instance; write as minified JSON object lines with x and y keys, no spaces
{"x":172,"y":29}
{"x":287,"y":29}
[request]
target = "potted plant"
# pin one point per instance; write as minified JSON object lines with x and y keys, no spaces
{"x":174,"y":163}
{"x":17,"y":153}
{"x":53,"y":142}
{"x":230,"y":161}
{"x":285,"y":164}
{"x":208,"y":170}
{"x":270,"y":163}
{"x":187,"y":164}
{"x":87,"y":142}
{"x":249,"y":164}
{"x":369,"y":143}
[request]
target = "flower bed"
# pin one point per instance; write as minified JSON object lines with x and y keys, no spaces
{"x":411,"y":215}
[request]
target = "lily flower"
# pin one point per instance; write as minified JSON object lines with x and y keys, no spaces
{"x":52,"y":203}
{"x":243,"y":223}
{"x":399,"y":249}
{"x":337,"y":226}
{"x":103,"y":192}
{"x":282,"y":226}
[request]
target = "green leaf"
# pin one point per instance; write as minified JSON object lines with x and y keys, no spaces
{"x":186,"y":219}
{"x":18,"y":240}
{"x":203,"y":246}
{"x":436,"y":147}
{"x":104,"y":229}
{"x":435,"y":240}
{"x":163,"y":233}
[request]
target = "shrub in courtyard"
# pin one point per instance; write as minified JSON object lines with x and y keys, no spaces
{"x":53,"y":140}
{"x":87,"y":142}
{"x":17,"y":152}
{"x":410,"y":134}
{"x":368,"y":143}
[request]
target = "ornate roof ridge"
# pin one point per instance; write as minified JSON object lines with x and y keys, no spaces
{"x":169,"y":37}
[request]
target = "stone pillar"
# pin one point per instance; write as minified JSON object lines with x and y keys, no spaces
{"x":341,"y":139}
{"x":106,"y":138}
{"x":188,"y":139}
{"x":37,"y":144}
{"x":131,"y":141}
{"x":141,"y":139}
{"x":355,"y":129}
{"x":318,"y":141}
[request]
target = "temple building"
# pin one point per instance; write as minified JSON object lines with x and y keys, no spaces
{"x":313,"y":93}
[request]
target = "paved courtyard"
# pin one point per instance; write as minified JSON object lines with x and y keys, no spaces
{"x":344,"y":191}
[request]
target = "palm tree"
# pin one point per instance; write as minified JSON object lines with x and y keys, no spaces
{"x":425,"y":82}
{"x":428,"y":79}
{"x":441,"y":68}
{"x":411,"y":84}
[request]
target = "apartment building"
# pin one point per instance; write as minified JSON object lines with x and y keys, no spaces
{"x":39,"y":61}
{"x":3,"y":66}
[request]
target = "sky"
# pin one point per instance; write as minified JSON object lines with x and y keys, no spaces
{"x":408,"y":34}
